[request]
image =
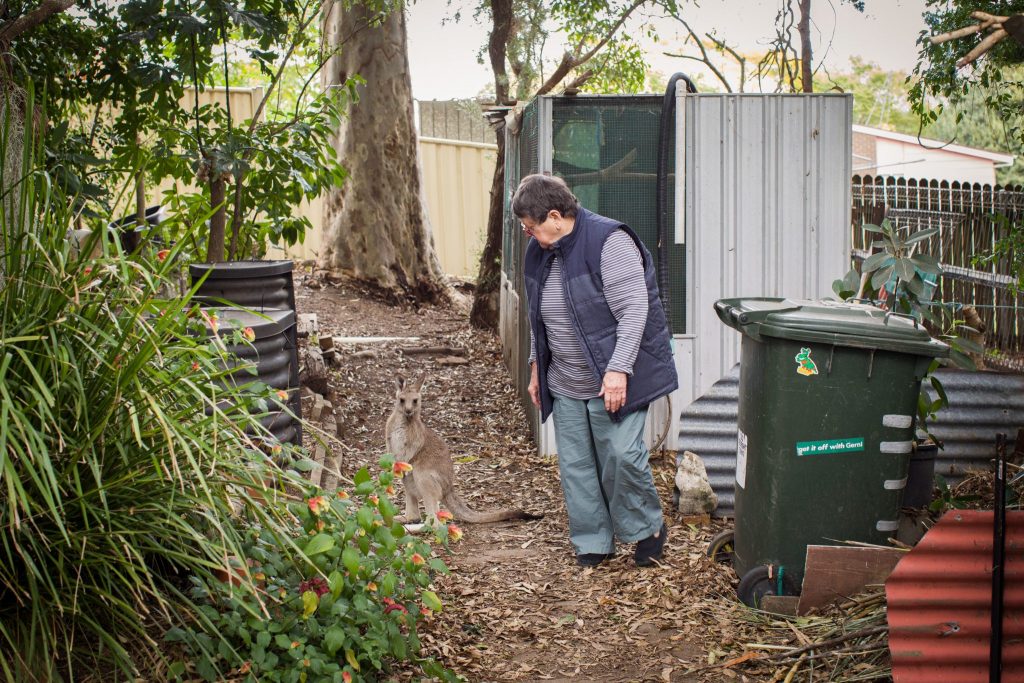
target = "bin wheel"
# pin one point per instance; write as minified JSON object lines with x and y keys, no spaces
{"x":754,"y":585}
{"x":721,"y":547}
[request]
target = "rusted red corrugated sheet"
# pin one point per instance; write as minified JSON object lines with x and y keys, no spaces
{"x":940,"y":602}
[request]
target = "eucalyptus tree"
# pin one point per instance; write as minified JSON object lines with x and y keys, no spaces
{"x":375,"y":224}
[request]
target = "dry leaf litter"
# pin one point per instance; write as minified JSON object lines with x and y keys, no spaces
{"x":517,"y":607}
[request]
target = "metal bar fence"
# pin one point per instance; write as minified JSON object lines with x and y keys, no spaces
{"x":970,"y":219}
{"x":454,"y":120}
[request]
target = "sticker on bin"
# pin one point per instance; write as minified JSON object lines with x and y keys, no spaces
{"x":851,"y":445}
{"x":741,"y":459}
{"x":805,"y":366}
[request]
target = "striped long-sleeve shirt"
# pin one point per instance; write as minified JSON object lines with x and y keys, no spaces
{"x":622,"y":274}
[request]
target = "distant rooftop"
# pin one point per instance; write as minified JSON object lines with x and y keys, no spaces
{"x":997,"y":157}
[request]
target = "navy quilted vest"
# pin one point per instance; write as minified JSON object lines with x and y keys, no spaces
{"x":654,"y":372}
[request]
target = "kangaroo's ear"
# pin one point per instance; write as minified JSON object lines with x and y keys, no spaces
{"x":399,"y":382}
{"x":420,"y":381}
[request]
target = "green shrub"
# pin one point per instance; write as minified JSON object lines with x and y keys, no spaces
{"x":123,"y":449}
{"x":345,"y":613}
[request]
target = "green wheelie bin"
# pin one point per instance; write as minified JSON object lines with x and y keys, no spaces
{"x":828,"y":398}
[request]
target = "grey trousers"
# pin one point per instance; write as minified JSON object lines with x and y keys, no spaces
{"x":606,"y":475}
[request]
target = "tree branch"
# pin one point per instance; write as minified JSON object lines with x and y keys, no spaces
{"x":704,"y":54}
{"x":280,"y":68}
{"x":27,"y":22}
{"x":497,"y":47}
{"x":721,"y":45}
{"x":570,"y":61}
{"x":560,"y":72}
{"x":806,"y":55}
{"x":611,"y":32}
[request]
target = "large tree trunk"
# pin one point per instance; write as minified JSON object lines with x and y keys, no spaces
{"x":484,"y":313}
{"x":806,"y":56}
{"x":488,"y":281}
{"x":375,"y":224}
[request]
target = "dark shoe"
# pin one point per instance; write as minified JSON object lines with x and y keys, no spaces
{"x":593,"y":559}
{"x":649,"y":550}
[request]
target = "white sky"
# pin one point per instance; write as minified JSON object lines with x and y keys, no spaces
{"x":444,"y":63}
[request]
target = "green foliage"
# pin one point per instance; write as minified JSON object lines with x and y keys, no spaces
{"x":903,"y":277}
{"x":619,"y":68}
{"x":124,"y":441}
{"x":972,"y":122}
{"x":994,"y":84}
{"x":879,"y":97}
{"x":948,"y":499}
{"x":118,"y":95}
{"x":350,"y":607}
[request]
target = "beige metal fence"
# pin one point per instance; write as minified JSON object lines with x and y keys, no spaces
{"x":456,"y":183}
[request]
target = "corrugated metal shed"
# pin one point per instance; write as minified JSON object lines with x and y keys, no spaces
{"x":981,"y":404}
{"x":767,"y":194}
{"x":940,"y":602}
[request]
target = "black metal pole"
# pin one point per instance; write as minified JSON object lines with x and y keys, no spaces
{"x":995,"y":661}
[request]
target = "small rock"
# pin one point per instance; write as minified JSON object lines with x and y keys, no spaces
{"x":696,"y":497}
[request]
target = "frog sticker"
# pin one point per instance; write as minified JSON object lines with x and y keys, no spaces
{"x":805,"y":366}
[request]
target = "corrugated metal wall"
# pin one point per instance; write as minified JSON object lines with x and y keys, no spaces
{"x":456,"y":184}
{"x":980,"y":405}
{"x":940,"y":602}
{"x":767,"y":197}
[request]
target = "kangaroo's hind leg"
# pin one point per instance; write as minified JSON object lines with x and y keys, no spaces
{"x":432,"y":491}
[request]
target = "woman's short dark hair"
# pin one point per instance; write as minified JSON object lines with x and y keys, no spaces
{"x":538,"y":194}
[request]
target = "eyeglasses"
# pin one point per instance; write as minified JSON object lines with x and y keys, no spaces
{"x":530,"y":231}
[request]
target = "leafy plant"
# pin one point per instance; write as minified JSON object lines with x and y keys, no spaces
{"x":343,"y":611}
{"x":125,"y":447}
{"x":903,"y":278}
{"x":949,"y":499}
{"x":994,"y":84}
{"x":125,"y":98}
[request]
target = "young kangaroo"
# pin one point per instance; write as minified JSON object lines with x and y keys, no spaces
{"x":432,"y":478}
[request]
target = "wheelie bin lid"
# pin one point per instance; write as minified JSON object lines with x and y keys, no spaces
{"x":829,"y":322}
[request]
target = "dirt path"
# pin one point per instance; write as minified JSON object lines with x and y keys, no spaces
{"x":517,"y":608}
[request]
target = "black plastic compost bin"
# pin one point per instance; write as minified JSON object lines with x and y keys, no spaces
{"x":273,"y":353}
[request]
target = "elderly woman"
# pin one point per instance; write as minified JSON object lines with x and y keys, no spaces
{"x":599,"y":355}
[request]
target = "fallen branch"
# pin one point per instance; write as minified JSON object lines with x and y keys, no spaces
{"x":829,"y":643}
{"x":373,"y":340}
{"x":432,"y":350}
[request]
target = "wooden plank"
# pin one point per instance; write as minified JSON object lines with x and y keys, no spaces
{"x":318,"y":408}
{"x":780,"y":604}
{"x":316,"y":474}
{"x":835,"y":572}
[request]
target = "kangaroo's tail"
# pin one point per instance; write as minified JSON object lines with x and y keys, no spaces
{"x":464,"y":513}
